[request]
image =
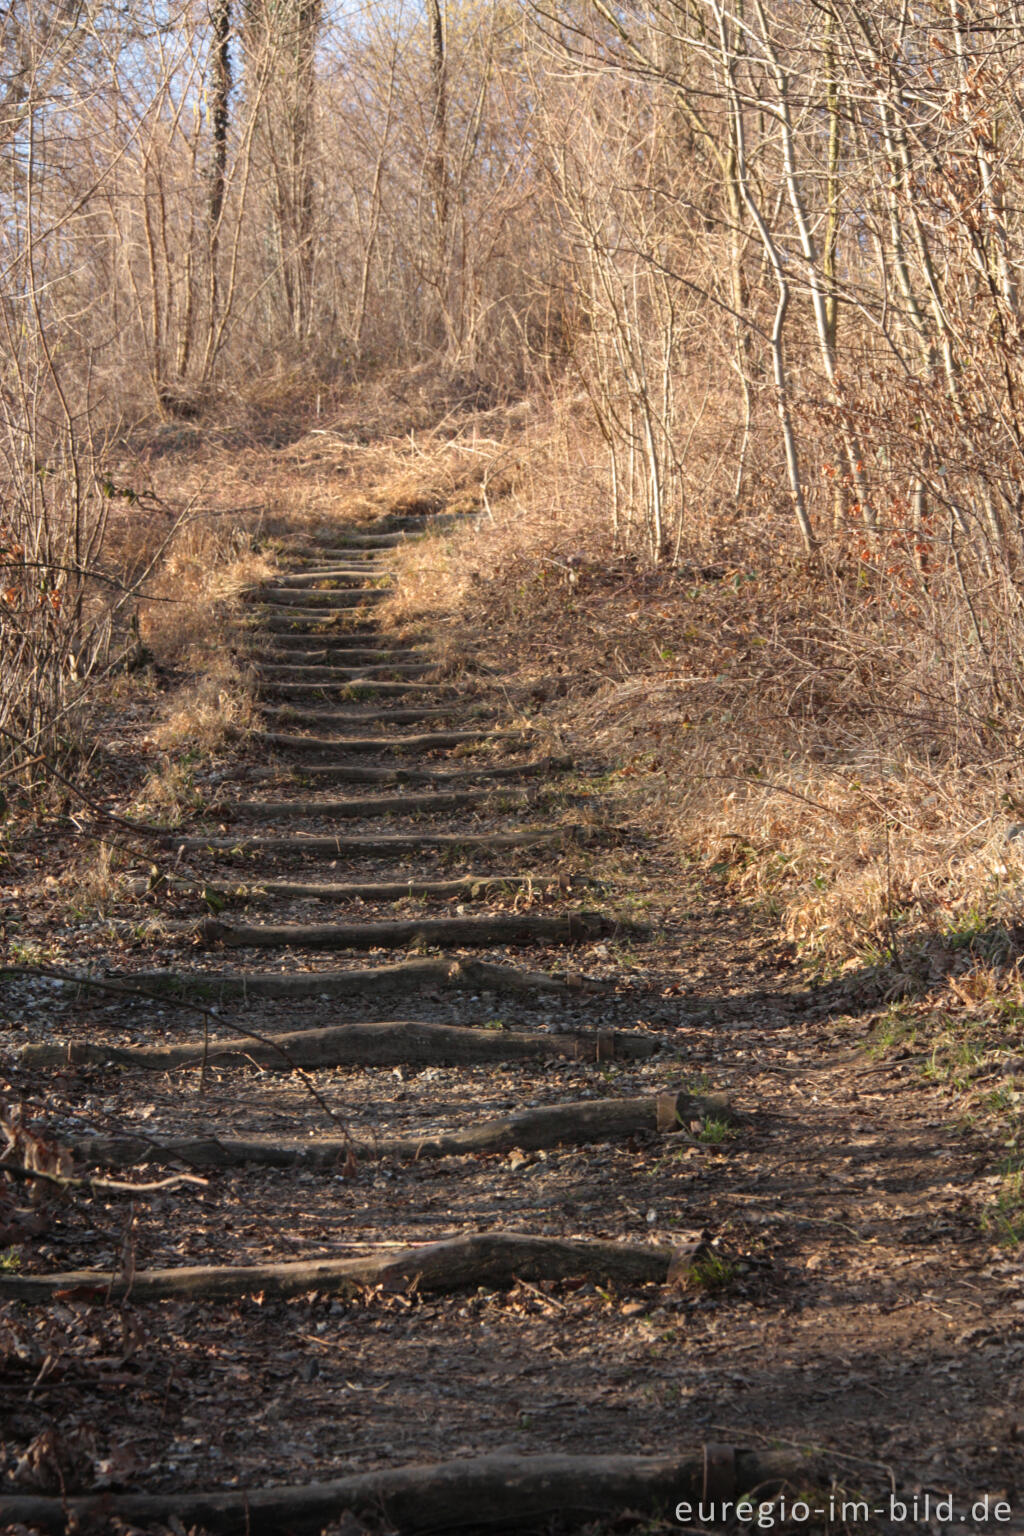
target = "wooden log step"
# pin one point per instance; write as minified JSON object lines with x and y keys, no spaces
{"x":400,"y":977}
{"x":516,"y":928}
{"x":340,"y":650}
{"x":288,"y":597}
{"x":308,"y":576}
{"x":340,"y":549}
{"x":500,"y":1491}
{"x":388,"y":1044}
{"x":344,"y":717}
{"x":453,"y":1264}
{"x":417,"y":515}
{"x":426,"y":741}
{"x":350,"y":637}
{"x":305,"y":618}
{"x":411,"y":521}
{"x":266,"y":610}
{"x":296,"y":661}
{"x":363,"y":807}
{"x":337,"y":545}
{"x":531,"y":1130}
{"x":320,"y":604}
{"x":333,"y":553}
{"x":330,"y":553}
{"x":328,"y":673}
{"x":300,"y":578}
{"x":360,"y":685}
{"x":472,"y":886}
{"x":354,"y":661}
{"x":332,"y":694}
{"x":380,"y":845}
{"x":356,"y":773}
{"x":362,"y":548}
{"x":304,"y":624}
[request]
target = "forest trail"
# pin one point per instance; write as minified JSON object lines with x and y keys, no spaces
{"x":486,"y":1220}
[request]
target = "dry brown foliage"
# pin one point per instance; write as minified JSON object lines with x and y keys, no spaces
{"x":780,"y":717}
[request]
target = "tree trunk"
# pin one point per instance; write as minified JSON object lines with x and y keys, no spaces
{"x":438,"y":176}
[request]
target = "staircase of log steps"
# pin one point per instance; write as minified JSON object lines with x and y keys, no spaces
{"x":365,"y":1000}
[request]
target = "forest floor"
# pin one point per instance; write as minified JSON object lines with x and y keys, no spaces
{"x":807,"y":1259}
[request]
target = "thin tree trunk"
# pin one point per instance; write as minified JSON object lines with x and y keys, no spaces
{"x":220,"y":77}
{"x":775,"y":260}
{"x":438,"y":174}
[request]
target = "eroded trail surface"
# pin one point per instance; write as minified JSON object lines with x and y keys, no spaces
{"x":497,"y":1207}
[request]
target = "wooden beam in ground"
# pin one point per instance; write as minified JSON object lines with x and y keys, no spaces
{"x":497,"y":1491}
{"x":486,"y":1258}
{"x":386,"y":1044}
{"x":483,"y":932}
{"x":532,"y":1130}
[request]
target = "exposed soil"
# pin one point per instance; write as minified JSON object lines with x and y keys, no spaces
{"x":841,"y":1297}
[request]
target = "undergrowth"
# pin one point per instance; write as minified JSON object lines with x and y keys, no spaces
{"x":787,"y":723}
{"x":799,"y":738}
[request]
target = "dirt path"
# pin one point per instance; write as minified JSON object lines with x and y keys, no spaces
{"x":569,"y":1189}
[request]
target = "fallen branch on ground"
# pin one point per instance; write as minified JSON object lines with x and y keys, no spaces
{"x":383,"y":846}
{"x":356,"y":774}
{"x":474,"y":886}
{"x":500,"y":928}
{"x":531,"y":1129}
{"x":469,"y":1493}
{"x":362,"y":809}
{"x":428,"y":741}
{"x":98,"y":1186}
{"x":349,"y":1045}
{"x":485,"y":1258}
{"x":402,"y":976}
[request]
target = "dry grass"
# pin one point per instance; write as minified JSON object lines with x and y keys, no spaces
{"x":97,"y":881}
{"x":191,"y":626}
{"x":788,"y":726}
{"x":798,"y":730}
{"x":170,"y":792}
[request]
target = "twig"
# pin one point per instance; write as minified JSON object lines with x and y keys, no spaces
{"x":752,"y":783}
{"x":87,"y":800}
{"x":535,"y":1290}
{"x":890,"y":920}
{"x":99,"y":1186}
{"x":90,"y":574}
